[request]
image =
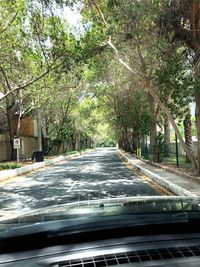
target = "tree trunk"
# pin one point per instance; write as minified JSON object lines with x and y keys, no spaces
{"x":78,"y":141}
{"x":197,"y":101}
{"x":153,"y":141}
{"x":127,"y":146}
{"x":166,"y":137}
{"x":13,"y":155}
{"x":153,"y":131}
{"x":134,"y":143}
{"x":44,"y":144}
{"x":143,"y":145}
{"x":197,"y":114}
{"x":73,"y":141}
{"x":58,"y":149}
{"x":137,"y":139}
{"x":188,"y":133}
{"x":120,"y":142}
{"x":90,"y":143}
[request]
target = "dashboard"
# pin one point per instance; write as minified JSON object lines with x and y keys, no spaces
{"x":152,"y":250}
{"x":119,"y":241}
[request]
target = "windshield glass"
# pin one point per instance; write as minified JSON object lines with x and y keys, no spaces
{"x":99,"y":109}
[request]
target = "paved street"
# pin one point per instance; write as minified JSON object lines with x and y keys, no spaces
{"x":96,"y":175}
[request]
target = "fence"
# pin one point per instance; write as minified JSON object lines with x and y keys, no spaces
{"x":174,"y":157}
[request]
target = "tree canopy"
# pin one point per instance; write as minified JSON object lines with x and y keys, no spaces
{"x":132,"y":66}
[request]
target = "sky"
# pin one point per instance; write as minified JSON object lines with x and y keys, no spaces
{"x":192,"y":108}
{"x":73,"y":17}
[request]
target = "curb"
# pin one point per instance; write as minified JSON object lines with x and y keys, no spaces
{"x":194,"y":178}
{"x":5,"y":175}
{"x":177,"y":190}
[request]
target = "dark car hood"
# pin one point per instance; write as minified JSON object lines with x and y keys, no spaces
{"x":106,"y":207}
{"x":101,"y":214}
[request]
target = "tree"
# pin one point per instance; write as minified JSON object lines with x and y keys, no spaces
{"x":122,"y":99}
{"x":140,"y":23}
{"x":176,"y":90}
{"x":34,"y":42}
{"x":181,"y":21}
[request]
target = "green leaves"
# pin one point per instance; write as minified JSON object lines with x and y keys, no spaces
{"x":176,"y":82}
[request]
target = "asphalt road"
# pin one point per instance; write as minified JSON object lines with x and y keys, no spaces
{"x":97,"y":175}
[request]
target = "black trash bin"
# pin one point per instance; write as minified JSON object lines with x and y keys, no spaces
{"x":38,"y":156}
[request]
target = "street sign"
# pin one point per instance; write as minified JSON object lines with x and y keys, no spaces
{"x":16,"y":143}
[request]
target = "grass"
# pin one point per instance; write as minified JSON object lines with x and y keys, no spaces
{"x":172,"y":160}
{"x":181,"y":159}
{"x":8,"y":166}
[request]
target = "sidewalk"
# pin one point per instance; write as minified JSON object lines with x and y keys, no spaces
{"x":177,"y":183}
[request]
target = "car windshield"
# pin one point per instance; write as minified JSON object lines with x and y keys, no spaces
{"x":99,"y":109}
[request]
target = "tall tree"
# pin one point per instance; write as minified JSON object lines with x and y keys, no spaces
{"x":182,"y":18}
{"x":34,"y":41}
{"x":143,"y":21}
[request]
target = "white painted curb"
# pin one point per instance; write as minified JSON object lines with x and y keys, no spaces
{"x":4,"y":175}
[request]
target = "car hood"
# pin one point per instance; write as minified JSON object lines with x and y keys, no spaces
{"x":107,"y":207}
{"x":104,"y":214}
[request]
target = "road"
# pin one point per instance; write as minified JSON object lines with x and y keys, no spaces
{"x":99,"y":174}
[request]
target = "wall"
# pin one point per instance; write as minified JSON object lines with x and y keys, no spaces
{"x":28,"y":145}
{"x":65,"y":146}
{"x":4,"y":147}
{"x":28,"y":126}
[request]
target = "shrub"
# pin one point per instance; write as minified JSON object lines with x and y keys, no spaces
{"x":5,"y":166}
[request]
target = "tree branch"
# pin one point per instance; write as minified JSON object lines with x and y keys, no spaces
{"x":142,"y":60}
{"x":5,"y":77}
{"x":28,"y":83}
{"x":12,"y":20}
{"x":100,"y":13}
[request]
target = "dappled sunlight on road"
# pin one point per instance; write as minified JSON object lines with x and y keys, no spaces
{"x":100,"y":174}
